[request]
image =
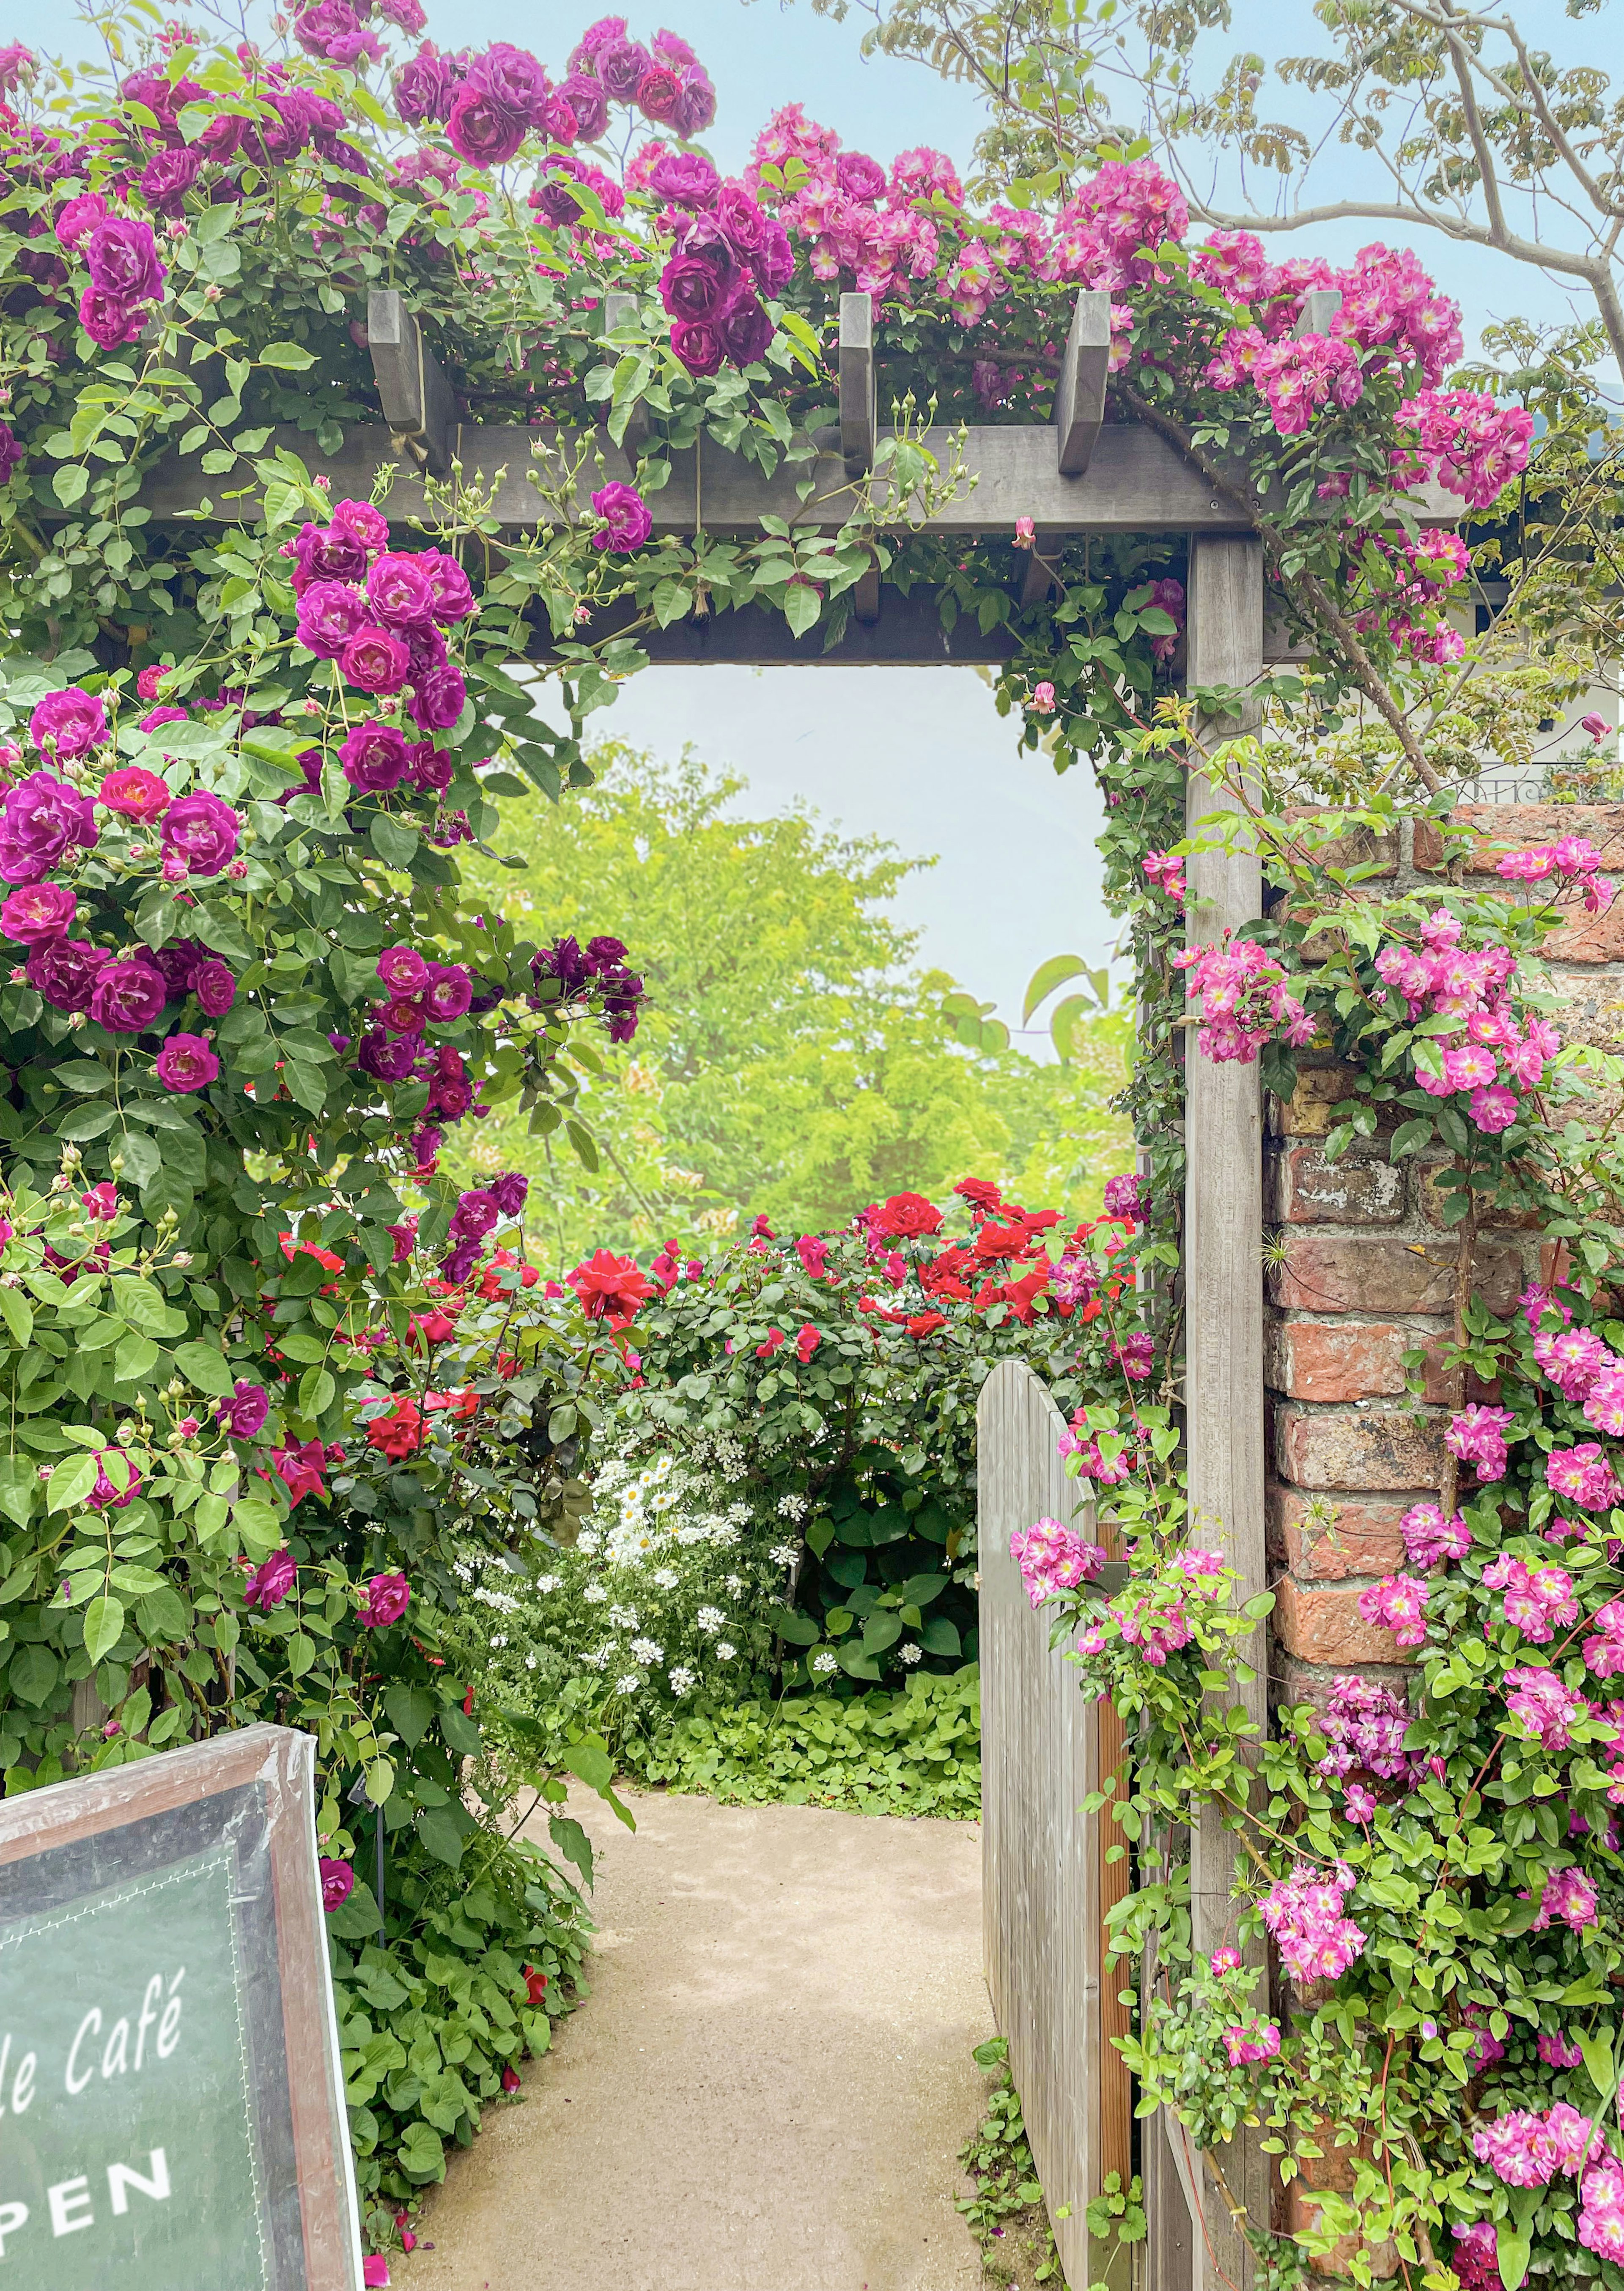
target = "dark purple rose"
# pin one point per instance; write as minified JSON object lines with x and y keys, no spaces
{"x":215,"y":988}
{"x":178,"y":961}
{"x":560,"y":126}
{"x":373,"y":758}
{"x":697,"y":109}
{"x":513,"y":81}
{"x":42,"y":821}
{"x":458,"y":1263}
{"x":266,"y":1587}
{"x":426,"y":88}
{"x":509,"y":1192}
{"x":439,"y":700}
{"x":622,"y":65}
{"x":697,"y":286}
{"x":310,"y":764}
{"x":564,"y":961}
{"x":202,"y":831}
{"x":659,"y":94}
{"x":328,"y":552}
{"x":224,"y":136}
{"x":108,"y":320}
{"x":431,"y":767}
{"x":589,"y":105}
{"x":331,"y":30}
{"x":604,"y":952}
{"x":401,"y":590}
{"x":774,"y":263}
{"x":740,"y":220}
{"x":337,"y":1878}
{"x":65,"y":970}
{"x":453,"y":599}
{"x":288,"y":132}
{"x":376,"y":661}
{"x":627,"y":522}
{"x":554,"y":198}
{"x":243,"y":1415}
{"x":686,"y":179}
{"x":746,"y":331}
{"x":330,"y":614}
{"x":166,"y":178}
{"x":127,"y":997}
{"x":403,"y":1015}
{"x":449,"y":991}
{"x":425,"y":650}
{"x":860,"y":177}
{"x":164,"y":97}
{"x":67,"y":724}
{"x":474,"y":1216}
{"x":698,"y":343}
{"x":481,"y":132}
{"x":123,"y":256}
{"x":11,"y":452}
{"x":386,"y":1060}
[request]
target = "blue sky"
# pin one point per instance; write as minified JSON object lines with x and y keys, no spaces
{"x":920,"y":756}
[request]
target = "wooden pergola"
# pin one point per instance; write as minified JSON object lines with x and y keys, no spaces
{"x":1075,"y":477}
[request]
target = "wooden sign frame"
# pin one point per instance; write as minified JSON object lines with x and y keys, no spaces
{"x":255,"y":1789}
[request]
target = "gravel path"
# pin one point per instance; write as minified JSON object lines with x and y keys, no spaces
{"x":769,"y":2086}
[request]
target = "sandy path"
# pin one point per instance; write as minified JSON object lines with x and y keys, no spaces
{"x":768,"y":2085}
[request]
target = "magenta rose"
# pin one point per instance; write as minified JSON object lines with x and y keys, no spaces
{"x":78,"y":218}
{"x":623,"y":66}
{"x":327,"y":552}
{"x":245,"y":1413}
{"x":431,"y":767}
{"x":135,"y":792}
{"x":215,"y":984}
{"x":373,"y":758}
{"x":287,"y":131}
{"x":698,"y":343}
{"x":11,"y":452}
{"x":168,"y":176}
{"x":425,"y":650}
{"x":155,"y":719}
{"x":386,"y":1060}
{"x":588,"y":102}
{"x":108,"y":320}
{"x":439,"y":700}
{"x":449,"y":992}
{"x":560,"y":124}
{"x":659,"y":95}
{"x":453,"y":599}
{"x":554,"y":196}
{"x":739,"y":218}
{"x":203,"y":831}
{"x":274,"y":1578}
{"x":374,"y":660}
{"x":513,"y":81}
{"x":337,"y":1883}
{"x":401,"y":590}
{"x":773,"y":262}
{"x":746,"y":331}
{"x":65,"y":971}
{"x":481,"y":132}
{"x":627,"y":522}
{"x":685,"y":178}
{"x":127,"y":997}
{"x":186,"y":1063}
{"x":123,"y":256}
{"x":860,"y":177}
{"x":697,"y":109}
{"x":403,"y":969}
{"x":38,"y":913}
{"x":68,"y":723}
{"x":697,"y":286}
{"x":364,"y":520}
{"x":330,"y":614}
{"x":404,"y":1015}
{"x":43,"y":820}
{"x":426,"y":87}
{"x":388,"y":1597}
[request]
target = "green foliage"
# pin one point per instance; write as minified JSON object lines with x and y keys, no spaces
{"x":918,"y":1752}
{"x":1008,"y":2206}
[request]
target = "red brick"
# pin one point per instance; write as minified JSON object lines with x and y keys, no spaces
{"x":1324,"y":1539}
{"x":1502,"y":827}
{"x":1349,"y":1359}
{"x":1319,"y":1275}
{"x":1326,"y":1627}
{"x":1358,"y":1447}
{"x":1435,"y":1381}
{"x":1307,"y":1113}
{"x":1302,"y":1187}
{"x":1314,"y":1683}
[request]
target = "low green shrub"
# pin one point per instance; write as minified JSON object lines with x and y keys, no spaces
{"x":915,"y":1752}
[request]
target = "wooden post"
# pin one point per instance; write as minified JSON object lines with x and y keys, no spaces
{"x":1319,"y":309}
{"x":857,"y":403}
{"x":417,"y":399}
{"x":1224,"y":1310}
{"x":1080,"y":394}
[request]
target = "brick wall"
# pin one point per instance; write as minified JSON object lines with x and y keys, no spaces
{"x":1362,"y":1269}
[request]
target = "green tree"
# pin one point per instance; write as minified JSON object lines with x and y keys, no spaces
{"x":789,"y":1059}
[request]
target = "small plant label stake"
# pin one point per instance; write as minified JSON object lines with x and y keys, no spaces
{"x":172,"y":2109}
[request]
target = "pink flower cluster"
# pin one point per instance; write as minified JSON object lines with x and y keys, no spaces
{"x":856,"y":219}
{"x":1166,"y":873}
{"x":1574,"y":861}
{"x":1584,"y":1475}
{"x":1245,"y":999}
{"x":1441,"y":978}
{"x":1568,"y":1899}
{"x":1053,"y":1558}
{"x":379,"y":614}
{"x":1430,"y":1539}
{"x":1604,"y":1649}
{"x":1477,"y":1435}
{"x":1411,"y":613}
{"x":1476,"y":2258}
{"x":1601,"y":2218}
{"x":1305,"y":1914}
{"x":1539,"y":1600}
{"x":1252,"y":2041}
{"x":1365,"y":1727}
{"x":1545,"y":1706}
{"x":1397,"y":1604}
{"x":1525,"y":2150}
{"x":1079,"y":1441}
{"x":1472,"y":443}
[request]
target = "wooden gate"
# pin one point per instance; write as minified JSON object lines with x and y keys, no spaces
{"x":1046,"y":1882}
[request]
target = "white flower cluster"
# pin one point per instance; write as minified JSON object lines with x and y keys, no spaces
{"x":503,"y":1602}
{"x":911,"y":1655}
{"x":793,"y":1507}
{"x":825,"y":1660}
{"x":784,"y":1555}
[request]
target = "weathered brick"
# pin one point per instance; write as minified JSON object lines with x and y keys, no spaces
{"x":1325,"y":1625}
{"x":1294,"y":1681}
{"x":1307,"y":1113}
{"x":1436,"y":1379}
{"x":1501,"y":827}
{"x":1343,"y":1360}
{"x":1325,"y":1538}
{"x":1302,"y":1187}
{"x":1320,"y":1274}
{"x":1359,"y":847}
{"x":1431,"y":1197}
{"x":1358,"y":1447}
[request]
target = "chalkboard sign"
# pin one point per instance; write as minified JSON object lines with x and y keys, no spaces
{"x":172,"y":2110}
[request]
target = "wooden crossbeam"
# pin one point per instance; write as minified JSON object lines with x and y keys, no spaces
{"x":1080,"y":394}
{"x":908,"y":634}
{"x":418,"y":401}
{"x":859,"y":416}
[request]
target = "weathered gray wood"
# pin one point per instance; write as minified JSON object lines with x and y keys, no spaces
{"x":1319,"y":307}
{"x":621,"y":311}
{"x":417,"y":399}
{"x":908,"y":633}
{"x":1224,"y":1292}
{"x":1080,"y":394}
{"x":865,"y":608}
{"x":858,"y":415}
{"x":1040,"y":1854}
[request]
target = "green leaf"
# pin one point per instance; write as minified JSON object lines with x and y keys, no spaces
{"x":410,"y":1710}
{"x":70,"y":1484}
{"x":939,"y":1636}
{"x":572,"y":1842}
{"x":802,"y":606}
{"x":1047,"y":977}
{"x":209,"y":1370}
{"x":992,"y":2054}
{"x":797,"y":1630}
{"x":292,"y":358}
{"x":882,"y":1631}
{"x":439,"y":1828}
{"x":461,"y":1732}
{"x":15,"y":1313}
{"x":69,"y":483}
{"x":380,"y":1781}
{"x":394,"y":843}
{"x":104,"y":1627}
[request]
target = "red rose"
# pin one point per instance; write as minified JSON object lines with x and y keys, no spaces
{"x":925,"y":1324}
{"x":909,"y":1217}
{"x":399,"y":1432}
{"x":610,"y":1288}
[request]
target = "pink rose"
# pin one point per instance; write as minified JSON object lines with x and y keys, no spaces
{"x":186,"y":1063}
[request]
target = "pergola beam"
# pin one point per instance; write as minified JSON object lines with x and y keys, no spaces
{"x":1080,"y":394}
